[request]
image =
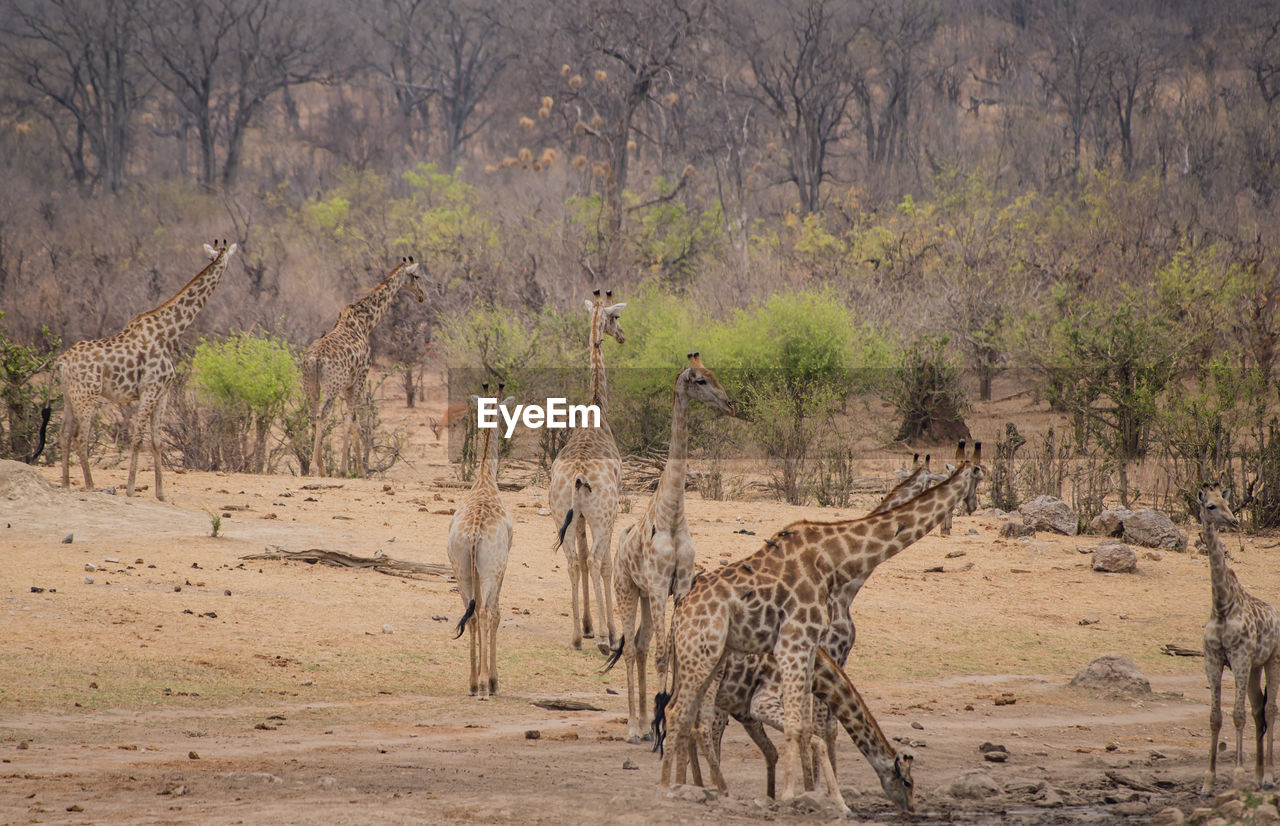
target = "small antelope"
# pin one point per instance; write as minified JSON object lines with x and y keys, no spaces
{"x":453,"y":414}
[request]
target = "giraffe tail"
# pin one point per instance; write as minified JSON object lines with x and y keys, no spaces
{"x":578,"y":484}
{"x":45,"y":413}
{"x":462,"y":623}
{"x":614,"y":656}
{"x":663,"y":698}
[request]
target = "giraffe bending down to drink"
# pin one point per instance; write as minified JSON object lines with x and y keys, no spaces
{"x":479,"y":544}
{"x":1243,"y":632}
{"x":776,"y":601}
{"x":337,"y":363}
{"x":655,"y":555}
{"x":137,"y":364}
{"x":586,"y":478}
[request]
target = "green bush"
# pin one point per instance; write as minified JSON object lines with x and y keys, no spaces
{"x":22,"y":398}
{"x":249,"y":382}
{"x":926,"y":393}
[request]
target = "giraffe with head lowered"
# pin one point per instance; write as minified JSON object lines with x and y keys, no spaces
{"x":655,"y":555}
{"x":586,"y":479}
{"x":1243,"y":632}
{"x":750,"y":688}
{"x":479,"y":544}
{"x":777,"y":601}
{"x":337,"y":363}
{"x":137,"y":364}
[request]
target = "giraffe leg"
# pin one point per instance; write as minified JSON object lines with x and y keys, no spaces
{"x":573,"y":563}
{"x":1272,"y":672}
{"x":584,"y":565}
{"x":794,"y":653}
{"x":755,"y":730}
{"x":1213,"y":668}
{"x":1238,"y":713}
{"x":822,"y":756}
{"x":349,"y":399}
{"x":1257,"y":703}
{"x":156,"y":414}
{"x":319,"y":416}
{"x":644,"y":634}
{"x":494,"y":618}
{"x":147,"y":404}
{"x":627,"y":597}
{"x":602,"y":578}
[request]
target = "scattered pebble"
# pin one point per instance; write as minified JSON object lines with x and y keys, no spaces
{"x":629,"y":764}
{"x":88,"y":580}
{"x":89,"y":566}
{"x":533,"y":734}
{"x":68,"y":539}
{"x":387,"y":629}
{"x":917,"y":726}
{"x":191,"y":755}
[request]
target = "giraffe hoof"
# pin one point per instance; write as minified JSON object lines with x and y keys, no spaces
{"x":603,"y":647}
{"x":587,"y":635}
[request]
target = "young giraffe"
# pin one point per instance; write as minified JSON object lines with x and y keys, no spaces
{"x":337,"y":363}
{"x":655,"y":555}
{"x":136,"y":364}
{"x":479,"y":543}
{"x":776,"y":601}
{"x":586,"y":477}
{"x":750,"y":689}
{"x":1244,"y":633}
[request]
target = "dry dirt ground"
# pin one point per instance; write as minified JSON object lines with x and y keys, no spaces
{"x":184,"y":684}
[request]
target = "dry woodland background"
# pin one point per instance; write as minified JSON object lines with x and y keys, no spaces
{"x":885,"y":224}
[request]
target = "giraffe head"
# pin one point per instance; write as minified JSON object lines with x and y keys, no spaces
{"x":412,"y":281}
{"x":1213,"y":507}
{"x":976,"y":471}
{"x":698,"y":382}
{"x":897,"y":783}
{"x":605,"y":317}
{"x":218,"y":248}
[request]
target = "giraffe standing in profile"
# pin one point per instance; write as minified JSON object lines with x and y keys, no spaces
{"x":776,"y":601}
{"x":479,"y":544}
{"x":655,"y":555}
{"x":337,"y":363}
{"x":134,"y":365}
{"x":586,"y":478}
{"x":1243,"y":632}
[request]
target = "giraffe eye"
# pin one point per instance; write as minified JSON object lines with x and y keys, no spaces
{"x":701,"y":381}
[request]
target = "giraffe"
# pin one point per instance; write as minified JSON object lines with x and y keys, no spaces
{"x":750,"y":688}
{"x":1243,"y":632}
{"x":655,"y":555}
{"x":479,"y":543}
{"x":337,"y":363}
{"x":586,"y":477}
{"x":776,"y":600}
{"x":134,"y":365}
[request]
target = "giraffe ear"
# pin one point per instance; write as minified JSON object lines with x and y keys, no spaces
{"x":616,"y":308}
{"x":231,"y":250}
{"x":210,"y":251}
{"x":590,"y":307}
{"x":508,"y":401}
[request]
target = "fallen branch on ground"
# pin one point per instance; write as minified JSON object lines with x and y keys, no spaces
{"x":341,"y":559}
{"x":1175,"y":650}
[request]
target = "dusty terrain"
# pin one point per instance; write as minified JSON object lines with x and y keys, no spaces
{"x":187,"y":685}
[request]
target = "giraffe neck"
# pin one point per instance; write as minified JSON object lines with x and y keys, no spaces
{"x":901,"y":493}
{"x":599,"y":394}
{"x":671,"y":483}
{"x":365,"y":314}
{"x":854,"y":716}
{"x":487,"y":473}
{"x":890,"y":531}
{"x":1226,"y":589}
{"x":174,"y":316}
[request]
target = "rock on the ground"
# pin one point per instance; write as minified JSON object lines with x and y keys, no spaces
{"x":974,"y":784}
{"x":1266,"y":814}
{"x":1011,"y":529}
{"x":1171,"y":816}
{"x":1114,"y":675}
{"x":816,"y":803}
{"x":1152,"y":529}
{"x":1114,"y":558}
{"x":1110,"y":522}
{"x":693,"y":794}
{"x":1049,"y":513}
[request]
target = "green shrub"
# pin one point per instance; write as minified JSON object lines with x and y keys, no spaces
{"x":22,"y":398}
{"x":926,"y":393}
{"x":249,"y":382}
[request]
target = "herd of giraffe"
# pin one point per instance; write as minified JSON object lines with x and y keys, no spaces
{"x":763,"y":639}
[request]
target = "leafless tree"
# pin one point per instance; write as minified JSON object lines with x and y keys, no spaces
{"x":805,"y":77}
{"x":1071,"y":70}
{"x":79,"y":59}
{"x":222,"y":60}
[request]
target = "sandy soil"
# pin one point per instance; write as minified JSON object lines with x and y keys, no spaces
{"x":187,"y":685}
